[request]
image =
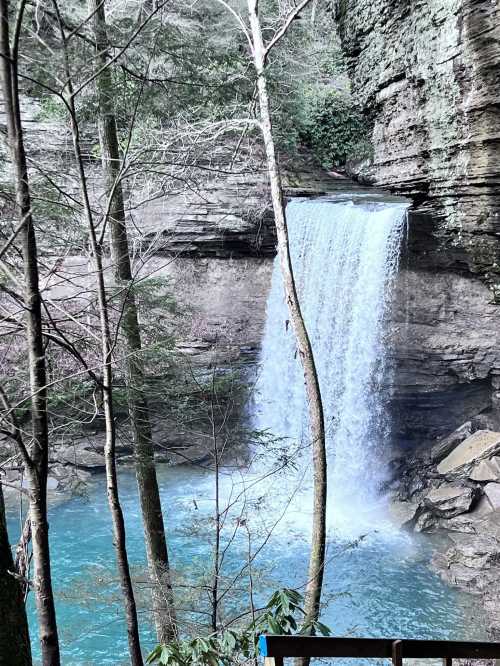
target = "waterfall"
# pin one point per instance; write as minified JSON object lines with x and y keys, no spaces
{"x":345,"y":255}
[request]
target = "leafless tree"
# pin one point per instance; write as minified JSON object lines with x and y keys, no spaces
{"x":154,"y":530}
{"x":260,"y":53}
{"x":107,"y":369}
{"x":35,"y":455}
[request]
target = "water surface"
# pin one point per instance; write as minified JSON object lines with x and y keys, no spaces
{"x":381,"y":587}
{"x":377,"y":579}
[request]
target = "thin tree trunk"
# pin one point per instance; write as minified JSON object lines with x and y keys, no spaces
{"x":15,"y":649}
{"x":316,"y":419}
{"x":152,"y":516}
{"x":217,"y":518}
{"x":109,"y":417}
{"x":37,"y":465}
{"x":107,"y":379}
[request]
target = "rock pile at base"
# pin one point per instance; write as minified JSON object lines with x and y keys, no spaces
{"x":456,"y":490}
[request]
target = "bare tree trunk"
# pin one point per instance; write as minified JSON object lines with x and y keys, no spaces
{"x":107,"y":377}
{"x":110,"y":443}
{"x":15,"y":649}
{"x":316,"y":419}
{"x":217,"y":516}
{"x":152,"y":516}
{"x":37,"y":460}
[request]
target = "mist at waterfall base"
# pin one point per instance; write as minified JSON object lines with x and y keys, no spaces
{"x":345,"y":254}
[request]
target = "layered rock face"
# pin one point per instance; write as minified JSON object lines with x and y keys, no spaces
{"x":446,"y":345}
{"x":203,"y":244}
{"x":427,"y":74}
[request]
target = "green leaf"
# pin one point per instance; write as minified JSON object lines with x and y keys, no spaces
{"x":322,"y":628}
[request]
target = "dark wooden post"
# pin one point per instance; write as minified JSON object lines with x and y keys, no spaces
{"x":397,"y":653}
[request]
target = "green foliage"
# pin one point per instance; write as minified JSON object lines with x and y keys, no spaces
{"x":333,"y":127}
{"x":51,"y":108}
{"x":69,"y":393}
{"x":235,"y":646}
{"x":156,"y":305}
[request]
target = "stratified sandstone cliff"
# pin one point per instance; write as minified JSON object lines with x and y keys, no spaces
{"x":427,"y":73}
{"x":206,"y":236}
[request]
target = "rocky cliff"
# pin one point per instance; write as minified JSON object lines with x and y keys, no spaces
{"x":428,"y":78}
{"x":203,"y":246}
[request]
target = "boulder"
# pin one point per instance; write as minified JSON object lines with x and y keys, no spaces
{"x":472,"y":561}
{"x":471,"y":522}
{"x":490,"y":525}
{"x":445,"y":446}
{"x":476,"y":551}
{"x":492,"y":492}
{"x":479,"y":446}
{"x":68,"y":474}
{"x":426,"y":522}
{"x":403,"y":513}
{"x":486,"y":470}
{"x":450,"y":500}
{"x":81,"y":457}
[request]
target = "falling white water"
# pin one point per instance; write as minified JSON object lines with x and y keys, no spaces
{"x":345,"y":255}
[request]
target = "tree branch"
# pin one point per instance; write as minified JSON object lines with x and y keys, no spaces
{"x":15,"y":431}
{"x":14,"y":234}
{"x":282,"y":31}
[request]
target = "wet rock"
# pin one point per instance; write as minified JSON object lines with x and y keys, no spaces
{"x":475,"y":558}
{"x":445,"y":446}
{"x":79,"y":456}
{"x":475,"y":551}
{"x":426,"y":521}
{"x":404,"y":513}
{"x":472,"y":562}
{"x":492,"y":492}
{"x":490,"y":525}
{"x":63,"y":482}
{"x":482,"y":444}
{"x":61,"y":472}
{"x":450,"y":500}
{"x":468,"y":523}
{"x":486,"y":470}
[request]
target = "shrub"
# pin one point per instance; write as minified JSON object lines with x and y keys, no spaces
{"x":333,"y":127}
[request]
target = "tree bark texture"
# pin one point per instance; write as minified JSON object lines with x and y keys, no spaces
{"x":37,"y":462}
{"x":15,"y":649}
{"x":152,"y":516}
{"x":316,"y":418}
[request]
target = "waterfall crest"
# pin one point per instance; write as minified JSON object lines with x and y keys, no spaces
{"x":345,"y":255}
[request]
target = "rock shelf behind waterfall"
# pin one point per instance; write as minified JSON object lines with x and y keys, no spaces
{"x":479,"y":446}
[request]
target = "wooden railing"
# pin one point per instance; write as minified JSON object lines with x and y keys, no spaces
{"x":275,"y":648}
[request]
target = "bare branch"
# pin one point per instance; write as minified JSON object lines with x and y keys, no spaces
{"x":240,"y":22}
{"x":15,"y":431}
{"x":14,"y":234}
{"x":284,"y":28}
